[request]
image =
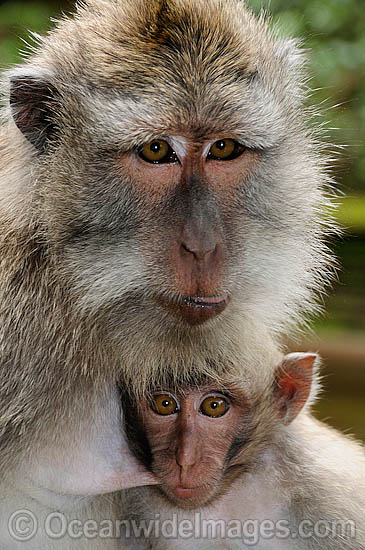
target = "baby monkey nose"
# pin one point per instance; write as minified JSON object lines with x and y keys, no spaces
{"x":187,"y":453}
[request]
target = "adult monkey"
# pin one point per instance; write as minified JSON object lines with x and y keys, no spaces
{"x":160,"y":199}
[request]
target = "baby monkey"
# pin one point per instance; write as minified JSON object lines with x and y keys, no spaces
{"x":259,"y":461}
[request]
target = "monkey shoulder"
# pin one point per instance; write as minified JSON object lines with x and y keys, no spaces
{"x":324,"y":471}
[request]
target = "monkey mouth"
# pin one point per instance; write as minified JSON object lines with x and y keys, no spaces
{"x":189,"y":497}
{"x":207,"y":301}
{"x":195,"y":310}
{"x":187,"y":492}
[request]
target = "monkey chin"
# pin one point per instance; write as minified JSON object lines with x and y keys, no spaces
{"x":196,"y":310}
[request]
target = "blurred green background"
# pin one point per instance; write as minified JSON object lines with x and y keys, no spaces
{"x":334,"y":32}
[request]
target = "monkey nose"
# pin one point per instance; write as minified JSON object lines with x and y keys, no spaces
{"x":187,"y":456}
{"x":201,"y":245}
{"x":199,"y":250}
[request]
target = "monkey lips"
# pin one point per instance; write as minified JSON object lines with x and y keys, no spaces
{"x":195,"y":310}
{"x":189,"y":497}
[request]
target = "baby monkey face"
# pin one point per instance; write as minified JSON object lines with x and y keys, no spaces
{"x":190,"y":435}
{"x":197,"y":440}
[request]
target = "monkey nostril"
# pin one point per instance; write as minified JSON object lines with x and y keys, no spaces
{"x":200,"y":252}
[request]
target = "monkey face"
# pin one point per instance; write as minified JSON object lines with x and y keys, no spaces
{"x":163,"y":234}
{"x":196,"y":441}
{"x":191,"y":230}
{"x":179,"y":238}
{"x":189,"y":438}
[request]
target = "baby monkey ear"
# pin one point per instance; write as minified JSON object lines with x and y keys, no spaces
{"x":293,"y":383}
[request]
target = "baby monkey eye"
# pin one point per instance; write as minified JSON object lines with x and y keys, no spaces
{"x":225,"y":149}
{"x":164,"y":404}
{"x":158,"y":151}
{"x":214,"y":406}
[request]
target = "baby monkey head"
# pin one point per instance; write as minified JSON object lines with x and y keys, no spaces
{"x":197,"y":440}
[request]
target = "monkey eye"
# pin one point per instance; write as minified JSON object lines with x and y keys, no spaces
{"x":158,"y":151}
{"x":225,"y":149}
{"x":164,"y":404}
{"x":214,"y":406}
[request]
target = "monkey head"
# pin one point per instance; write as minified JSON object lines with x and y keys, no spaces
{"x":174,"y":172}
{"x":197,"y":440}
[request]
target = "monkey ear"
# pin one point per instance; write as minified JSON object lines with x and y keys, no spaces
{"x":32,"y":99}
{"x":293,"y":383}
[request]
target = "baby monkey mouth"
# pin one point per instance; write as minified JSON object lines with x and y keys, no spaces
{"x":190,"y":497}
{"x":187,"y":492}
{"x":195,"y":310}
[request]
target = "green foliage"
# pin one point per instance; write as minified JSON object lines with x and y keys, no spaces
{"x":333,"y":31}
{"x":351,"y":214}
{"x":16,"y":20}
